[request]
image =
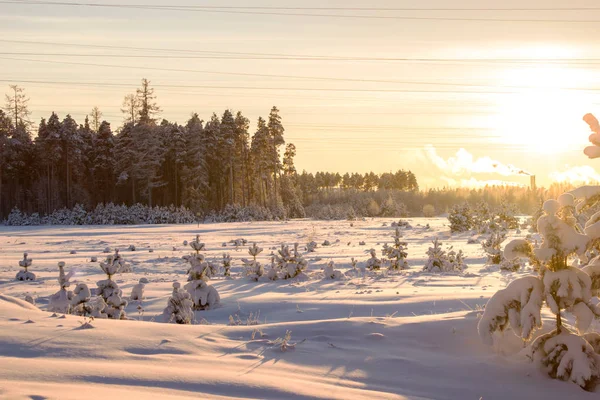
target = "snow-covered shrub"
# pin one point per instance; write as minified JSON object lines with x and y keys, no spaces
{"x":252,"y":268}
{"x":200,"y":269}
{"x":106,"y":214}
{"x":25,"y":275}
{"x":440,"y":260}
{"x":401,"y":224}
{"x":396,"y":253}
{"x":253,"y":212}
{"x":289,"y":263}
{"x":373,"y":263}
{"x":226,"y":261}
{"x":16,"y":218}
{"x":491,"y":247}
{"x":109,"y":290}
{"x":506,"y":215}
{"x":461,"y":218}
{"x":60,"y":301}
{"x":204,"y":296}
{"x":332,"y":273}
{"x":565,"y":352}
{"x":197,"y":245}
{"x":179,"y":306}
{"x":137,"y":291}
{"x":428,"y":211}
{"x":80,"y":302}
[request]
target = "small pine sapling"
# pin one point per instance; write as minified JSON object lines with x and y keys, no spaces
{"x":440,"y":260}
{"x":290,"y":263}
{"x":109,"y":290}
{"x":80,"y":302}
{"x":60,"y":301}
{"x":197,"y":245}
{"x":226,"y":261}
{"x":331,"y":272}
{"x":203,"y":295}
{"x":373,"y":263}
{"x":137,"y":291}
{"x":179,"y":306}
{"x":396,"y":253}
{"x":252,"y":268}
{"x":25,"y":275}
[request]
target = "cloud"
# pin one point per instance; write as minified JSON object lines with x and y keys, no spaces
{"x":463,"y":163}
{"x":458,"y":170}
{"x":578,"y":174}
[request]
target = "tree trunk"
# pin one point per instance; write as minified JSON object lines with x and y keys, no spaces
{"x":232,"y":197}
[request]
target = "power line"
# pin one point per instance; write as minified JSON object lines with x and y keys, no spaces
{"x":559,"y":61}
{"x":341,"y":8}
{"x":293,"y":14}
{"x":331,"y":79}
{"x":306,"y":89}
{"x":294,"y":57}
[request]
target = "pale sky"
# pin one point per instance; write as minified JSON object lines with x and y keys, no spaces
{"x":385,"y":113}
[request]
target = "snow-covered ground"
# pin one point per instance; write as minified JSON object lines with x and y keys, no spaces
{"x":383,"y":335}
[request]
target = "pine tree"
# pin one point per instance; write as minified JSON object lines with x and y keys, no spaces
{"x":49,"y":149}
{"x":148,"y":108}
{"x":276,"y":130}
{"x":226,"y":145}
{"x":103,"y":163}
{"x":260,"y":150}
{"x":16,"y":106}
{"x":71,"y":145}
{"x":242,"y":170}
{"x":96,"y":119}
{"x":131,"y":109}
{"x":194,"y":172}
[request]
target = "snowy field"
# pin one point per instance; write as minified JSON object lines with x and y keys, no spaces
{"x":379,"y":335}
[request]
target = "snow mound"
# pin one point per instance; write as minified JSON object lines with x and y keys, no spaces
{"x":13,"y":304}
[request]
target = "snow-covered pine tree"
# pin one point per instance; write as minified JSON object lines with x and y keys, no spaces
{"x":491,"y":247}
{"x":461,"y":218}
{"x":197,"y":245}
{"x":80,"y":302}
{"x":203,"y":295}
{"x":289,"y":263}
{"x":252,"y":268}
{"x":137,"y":291}
{"x":60,"y":301}
{"x":25,"y":275}
{"x":441,"y":260}
{"x":373,"y":263}
{"x":565,"y":353}
{"x":332,"y":273}
{"x":396,"y":253}
{"x":109,"y":290}
{"x":456,"y":260}
{"x":226,"y":261}
{"x":179,"y":307}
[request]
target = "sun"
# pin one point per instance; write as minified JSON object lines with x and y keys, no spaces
{"x":543,"y":111}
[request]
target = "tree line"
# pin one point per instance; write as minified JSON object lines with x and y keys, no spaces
{"x":202,"y":165}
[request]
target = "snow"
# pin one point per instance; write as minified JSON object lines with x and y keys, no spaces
{"x":372,"y":335}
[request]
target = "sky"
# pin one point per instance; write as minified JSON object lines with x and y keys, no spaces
{"x":462,"y":96}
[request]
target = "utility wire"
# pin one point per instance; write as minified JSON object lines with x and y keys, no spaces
{"x":331,"y":79}
{"x":290,"y":14}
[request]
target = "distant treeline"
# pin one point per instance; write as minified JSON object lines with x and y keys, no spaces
{"x":204,"y":166}
{"x":213,"y":168}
